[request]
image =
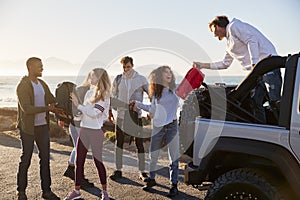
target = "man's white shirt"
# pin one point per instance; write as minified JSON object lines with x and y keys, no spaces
{"x":246,"y":44}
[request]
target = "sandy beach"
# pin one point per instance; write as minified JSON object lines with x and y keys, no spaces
{"x":127,"y":188}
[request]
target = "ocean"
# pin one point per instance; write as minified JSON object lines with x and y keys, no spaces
{"x":8,"y":85}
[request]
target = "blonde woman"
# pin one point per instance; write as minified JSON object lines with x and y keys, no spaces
{"x":94,"y":111}
{"x":74,"y":128}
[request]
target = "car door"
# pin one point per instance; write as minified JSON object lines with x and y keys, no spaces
{"x":295,"y":118}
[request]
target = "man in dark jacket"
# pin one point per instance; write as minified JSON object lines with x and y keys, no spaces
{"x":34,"y":103}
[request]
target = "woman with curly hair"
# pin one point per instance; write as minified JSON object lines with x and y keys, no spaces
{"x":163,"y":110}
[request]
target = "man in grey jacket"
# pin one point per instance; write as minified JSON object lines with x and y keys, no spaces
{"x":128,"y":86}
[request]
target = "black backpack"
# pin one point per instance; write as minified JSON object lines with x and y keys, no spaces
{"x":62,"y":95}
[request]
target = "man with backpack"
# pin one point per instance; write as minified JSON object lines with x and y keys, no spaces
{"x":128,"y":86}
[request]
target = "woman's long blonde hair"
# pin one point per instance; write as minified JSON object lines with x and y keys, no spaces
{"x":103,"y":85}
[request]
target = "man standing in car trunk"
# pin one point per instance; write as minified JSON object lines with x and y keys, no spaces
{"x":248,"y":46}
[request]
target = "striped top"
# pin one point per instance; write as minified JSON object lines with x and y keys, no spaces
{"x":93,"y":115}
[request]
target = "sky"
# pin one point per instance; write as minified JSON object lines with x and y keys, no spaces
{"x":67,"y":34}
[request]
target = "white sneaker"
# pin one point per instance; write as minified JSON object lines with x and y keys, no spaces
{"x":104,"y":195}
{"x":73,"y":195}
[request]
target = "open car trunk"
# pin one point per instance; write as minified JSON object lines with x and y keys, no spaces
{"x":234,"y":103}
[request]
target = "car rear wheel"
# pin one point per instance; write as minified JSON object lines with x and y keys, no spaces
{"x":243,"y":184}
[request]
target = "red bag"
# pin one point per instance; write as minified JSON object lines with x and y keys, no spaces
{"x":193,"y":79}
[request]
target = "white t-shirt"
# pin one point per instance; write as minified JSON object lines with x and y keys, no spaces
{"x":39,"y":101}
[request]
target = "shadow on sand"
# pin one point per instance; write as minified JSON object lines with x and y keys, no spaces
{"x":9,"y":140}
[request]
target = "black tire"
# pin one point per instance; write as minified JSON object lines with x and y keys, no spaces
{"x":243,"y":184}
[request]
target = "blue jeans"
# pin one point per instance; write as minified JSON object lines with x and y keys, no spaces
{"x":270,"y":84}
{"x":170,"y":133}
{"x":74,"y":135}
{"x":41,"y":137}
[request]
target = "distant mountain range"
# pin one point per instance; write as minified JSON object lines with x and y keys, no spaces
{"x":54,"y":66}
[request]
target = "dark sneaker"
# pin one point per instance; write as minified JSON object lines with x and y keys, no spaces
{"x":116,"y":175}
{"x":150,"y":184}
{"x":144,"y":177}
{"x":85,"y":183}
{"x":73,"y":195}
{"x":50,"y":196}
{"x":21,"y":196}
{"x":70,"y":172}
{"x":173,"y":191}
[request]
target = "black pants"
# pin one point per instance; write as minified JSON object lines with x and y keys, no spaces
{"x":120,"y":135}
{"x":41,"y":137}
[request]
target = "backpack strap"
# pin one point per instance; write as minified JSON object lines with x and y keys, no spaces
{"x":114,"y":101}
{"x":118,"y":81}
